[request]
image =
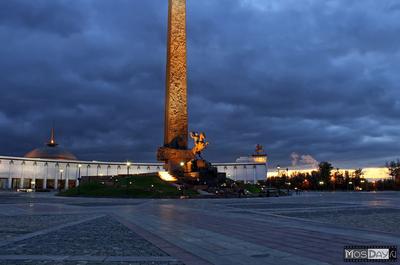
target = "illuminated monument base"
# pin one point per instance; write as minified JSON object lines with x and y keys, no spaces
{"x":187,"y":166}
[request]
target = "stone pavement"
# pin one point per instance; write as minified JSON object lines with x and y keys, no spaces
{"x":311,"y":228}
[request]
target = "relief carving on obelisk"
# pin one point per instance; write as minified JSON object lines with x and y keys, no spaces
{"x":176,"y":114}
{"x":175,"y":150}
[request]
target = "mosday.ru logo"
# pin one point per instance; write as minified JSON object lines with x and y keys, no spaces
{"x":356,"y":254}
{"x":378,"y":253}
{"x":370,"y":253}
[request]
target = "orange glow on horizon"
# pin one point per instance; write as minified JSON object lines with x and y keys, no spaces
{"x":369,"y":172}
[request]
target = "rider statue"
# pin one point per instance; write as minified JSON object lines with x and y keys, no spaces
{"x":199,"y":143}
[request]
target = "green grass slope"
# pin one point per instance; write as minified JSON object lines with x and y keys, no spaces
{"x":136,"y":186}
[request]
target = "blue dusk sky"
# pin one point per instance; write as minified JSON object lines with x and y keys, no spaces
{"x":315,"y":77}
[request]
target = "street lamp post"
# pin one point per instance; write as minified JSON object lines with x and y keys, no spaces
{"x":350,"y":184}
{"x":60,"y":185}
{"x":288,"y":180}
{"x":333,"y":180}
{"x":128,"y":166}
{"x":322,"y":183}
{"x":128,"y":185}
{"x":288,"y":187}
{"x":79,"y":178}
{"x":278,"y":169}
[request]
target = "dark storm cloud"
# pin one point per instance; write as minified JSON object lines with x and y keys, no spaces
{"x":312,"y":77}
{"x":57,"y":17}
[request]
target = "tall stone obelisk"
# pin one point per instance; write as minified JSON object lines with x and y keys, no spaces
{"x":175,"y":150}
{"x":176,"y":114}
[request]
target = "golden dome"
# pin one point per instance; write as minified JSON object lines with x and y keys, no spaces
{"x":51,"y":151}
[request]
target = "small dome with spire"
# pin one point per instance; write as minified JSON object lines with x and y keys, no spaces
{"x":51,"y":151}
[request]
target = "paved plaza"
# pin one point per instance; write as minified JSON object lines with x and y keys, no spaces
{"x":311,"y":228}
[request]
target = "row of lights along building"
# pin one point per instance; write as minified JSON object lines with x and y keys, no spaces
{"x":53,"y":167}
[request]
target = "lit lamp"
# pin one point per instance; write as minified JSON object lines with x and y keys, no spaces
{"x":33,"y":184}
{"x":79,"y":172}
{"x":128,"y":165}
{"x":79,"y":178}
{"x":350,"y":183}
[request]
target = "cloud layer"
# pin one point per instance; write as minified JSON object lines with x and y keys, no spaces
{"x":312,"y":77}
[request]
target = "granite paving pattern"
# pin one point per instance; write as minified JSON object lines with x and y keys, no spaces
{"x":51,"y":262}
{"x":379,"y":219}
{"x":262,"y":206}
{"x":12,"y":226}
{"x":100,"y":237}
{"x":308,"y":229}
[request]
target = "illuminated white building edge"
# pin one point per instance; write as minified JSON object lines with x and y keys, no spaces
{"x":36,"y":173}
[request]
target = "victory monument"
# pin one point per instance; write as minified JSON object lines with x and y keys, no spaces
{"x":180,"y":161}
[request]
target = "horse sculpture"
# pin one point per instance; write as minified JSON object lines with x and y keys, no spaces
{"x":199,"y":143}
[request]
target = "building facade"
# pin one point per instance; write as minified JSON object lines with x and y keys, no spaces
{"x":38,"y":173}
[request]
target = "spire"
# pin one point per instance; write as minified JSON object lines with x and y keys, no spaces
{"x":52,"y":141}
{"x":259,"y":150}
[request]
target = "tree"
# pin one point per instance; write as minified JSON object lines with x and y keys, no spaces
{"x":358,"y":173}
{"x":394,"y":169}
{"x":325,"y":170}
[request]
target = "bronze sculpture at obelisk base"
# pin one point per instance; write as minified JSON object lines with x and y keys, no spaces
{"x":179,"y":160}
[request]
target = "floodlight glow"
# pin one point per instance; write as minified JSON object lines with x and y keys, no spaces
{"x":166,"y":176}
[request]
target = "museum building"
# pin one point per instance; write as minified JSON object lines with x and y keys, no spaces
{"x":53,"y":167}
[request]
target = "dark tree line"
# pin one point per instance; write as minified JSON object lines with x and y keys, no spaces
{"x":394,"y":169}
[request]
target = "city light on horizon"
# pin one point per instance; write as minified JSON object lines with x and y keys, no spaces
{"x":368,"y":172}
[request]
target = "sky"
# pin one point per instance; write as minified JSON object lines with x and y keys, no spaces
{"x":312,"y":79}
